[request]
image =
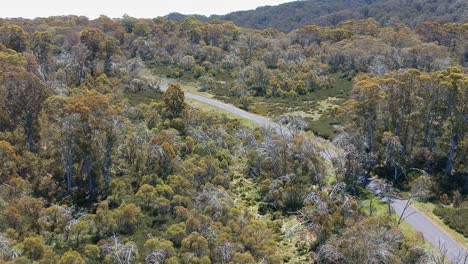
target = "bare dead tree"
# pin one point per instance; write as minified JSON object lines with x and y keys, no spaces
{"x":225,"y":252}
{"x":329,"y":254}
{"x":248,"y":140}
{"x":421,"y":189}
{"x":363,"y":244}
{"x":293,"y":123}
{"x":122,"y":254}
{"x":440,"y":256}
{"x":318,"y":207}
{"x":7,"y":252}
{"x":338,"y":195}
{"x":214,"y":201}
{"x":462,"y":258}
{"x":156,"y":257}
{"x":403,"y":215}
{"x":351,"y":161}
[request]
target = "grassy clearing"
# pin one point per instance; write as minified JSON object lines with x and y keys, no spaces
{"x":428,"y":210}
{"x":219,"y":112}
{"x":144,"y":97}
{"x":166,"y":71}
{"x":193,"y":89}
{"x":317,"y":108}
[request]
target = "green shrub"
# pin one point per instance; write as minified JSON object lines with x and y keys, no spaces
{"x":175,"y":73}
{"x":456,"y":218}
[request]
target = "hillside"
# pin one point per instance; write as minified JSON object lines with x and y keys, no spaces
{"x":293,"y":15}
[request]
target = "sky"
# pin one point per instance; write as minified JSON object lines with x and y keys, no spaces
{"x":117,"y":8}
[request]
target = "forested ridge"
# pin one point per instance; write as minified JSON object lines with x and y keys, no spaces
{"x":100,"y":166}
{"x":296,"y":14}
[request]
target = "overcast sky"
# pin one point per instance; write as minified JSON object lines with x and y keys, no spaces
{"x":117,"y":8}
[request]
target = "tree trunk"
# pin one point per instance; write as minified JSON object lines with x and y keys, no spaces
{"x":29,"y":131}
{"x":107,"y":165}
{"x":434,"y":136}
{"x":427,"y":130}
{"x":108,"y":66}
{"x":69,"y":168}
{"x":87,"y":166}
{"x":405,"y":141}
{"x":451,"y":153}
{"x":371,"y":144}
{"x":413,"y":138}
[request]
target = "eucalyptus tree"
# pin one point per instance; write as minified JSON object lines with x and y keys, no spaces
{"x":22,"y":97}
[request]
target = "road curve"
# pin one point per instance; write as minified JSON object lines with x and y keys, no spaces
{"x":431,"y":232}
{"x":417,"y":220}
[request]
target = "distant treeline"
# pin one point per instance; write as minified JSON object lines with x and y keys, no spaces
{"x":289,"y":16}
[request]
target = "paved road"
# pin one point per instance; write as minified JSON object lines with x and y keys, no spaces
{"x":432,"y":233}
{"x":253,"y":117}
{"x":421,"y":223}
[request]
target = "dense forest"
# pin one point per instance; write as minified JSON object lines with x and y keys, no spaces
{"x":90,"y":175}
{"x":293,"y":15}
